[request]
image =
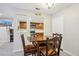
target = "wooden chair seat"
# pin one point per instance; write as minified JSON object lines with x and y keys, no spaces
{"x":30,"y":48}
{"x":51,"y":52}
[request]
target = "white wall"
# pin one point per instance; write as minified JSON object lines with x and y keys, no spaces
{"x":48,"y":25}
{"x":70,"y":28}
{"x":4,"y":35}
{"x":57,"y":23}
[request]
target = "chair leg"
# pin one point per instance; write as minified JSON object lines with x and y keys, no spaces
{"x":32,"y":54}
{"x":35,"y":53}
{"x":24,"y":54}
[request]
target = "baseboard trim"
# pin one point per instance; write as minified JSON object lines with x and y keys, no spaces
{"x":3,"y":43}
{"x":20,"y":50}
{"x":68,"y":53}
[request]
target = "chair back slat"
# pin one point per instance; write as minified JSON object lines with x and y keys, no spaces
{"x":55,"y":43}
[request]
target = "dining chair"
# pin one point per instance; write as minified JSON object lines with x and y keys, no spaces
{"x":52,"y":46}
{"x":28,"y":49}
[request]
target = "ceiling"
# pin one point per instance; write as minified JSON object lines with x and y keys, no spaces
{"x":4,"y":7}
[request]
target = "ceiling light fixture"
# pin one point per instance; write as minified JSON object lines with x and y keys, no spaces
{"x":37,"y":8}
{"x":50,"y":3}
{"x":38,"y":14}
